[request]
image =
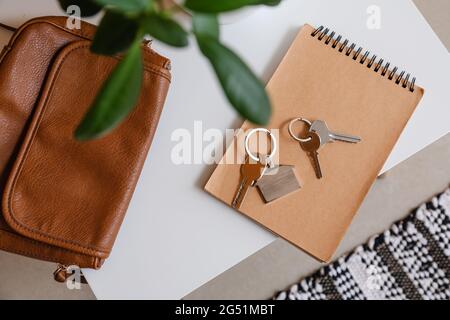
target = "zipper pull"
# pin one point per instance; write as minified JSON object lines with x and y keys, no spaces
{"x":60,"y":274}
{"x":148,"y":43}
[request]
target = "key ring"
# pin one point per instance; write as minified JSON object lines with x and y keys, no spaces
{"x":299,"y":139}
{"x":273,"y":141}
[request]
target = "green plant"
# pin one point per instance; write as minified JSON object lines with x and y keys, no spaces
{"x":122,"y":29}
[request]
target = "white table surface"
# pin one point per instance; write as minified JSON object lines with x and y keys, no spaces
{"x":176,"y":237}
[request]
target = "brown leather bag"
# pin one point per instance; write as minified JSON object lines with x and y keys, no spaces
{"x":64,"y":200}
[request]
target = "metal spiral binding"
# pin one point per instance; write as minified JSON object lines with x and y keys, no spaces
{"x":349,"y":50}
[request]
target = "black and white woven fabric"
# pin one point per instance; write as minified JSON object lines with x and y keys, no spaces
{"x":410,"y":261}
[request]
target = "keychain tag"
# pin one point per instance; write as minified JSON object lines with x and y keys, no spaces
{"x":278,"y":182}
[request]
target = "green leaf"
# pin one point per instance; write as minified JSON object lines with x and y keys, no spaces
{"x":126,"y":6}
{"x":272,"y":3}
{"x":206,"y":24}
{"x":242,"y":88}
{"x":88,"y":7}
{"x":118,"y":96}
{"x":216,"y":6}
{"x":165,"y":29}
{"x":115,"y":33}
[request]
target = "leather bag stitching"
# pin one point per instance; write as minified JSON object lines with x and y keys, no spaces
{"x":38,"y":255}
{"x":148,"y":64}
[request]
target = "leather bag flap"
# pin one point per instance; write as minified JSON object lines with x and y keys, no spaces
{"x":74,"y":194}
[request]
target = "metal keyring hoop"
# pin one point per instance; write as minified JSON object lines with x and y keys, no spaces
{"x":291,"y":132}
{"x":272,"y":139}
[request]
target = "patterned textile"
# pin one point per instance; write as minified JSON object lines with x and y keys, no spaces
{"x":410,"y":261}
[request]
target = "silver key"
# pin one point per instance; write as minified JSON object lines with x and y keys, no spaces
{"x":326,"y":136}
{"x":312,"y":146}
{"x":251,"y":172}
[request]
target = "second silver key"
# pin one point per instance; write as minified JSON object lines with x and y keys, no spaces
{"x":326,"y":136}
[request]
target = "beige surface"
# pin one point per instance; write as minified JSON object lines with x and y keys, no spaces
{"x":279,"y":264}
{"x":437,"y":13}
{"x":25,"y":278}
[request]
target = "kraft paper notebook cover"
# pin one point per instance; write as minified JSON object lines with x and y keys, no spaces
{"x":323,"y":77}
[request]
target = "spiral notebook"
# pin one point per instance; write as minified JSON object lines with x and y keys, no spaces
{"x":323,"y":76}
